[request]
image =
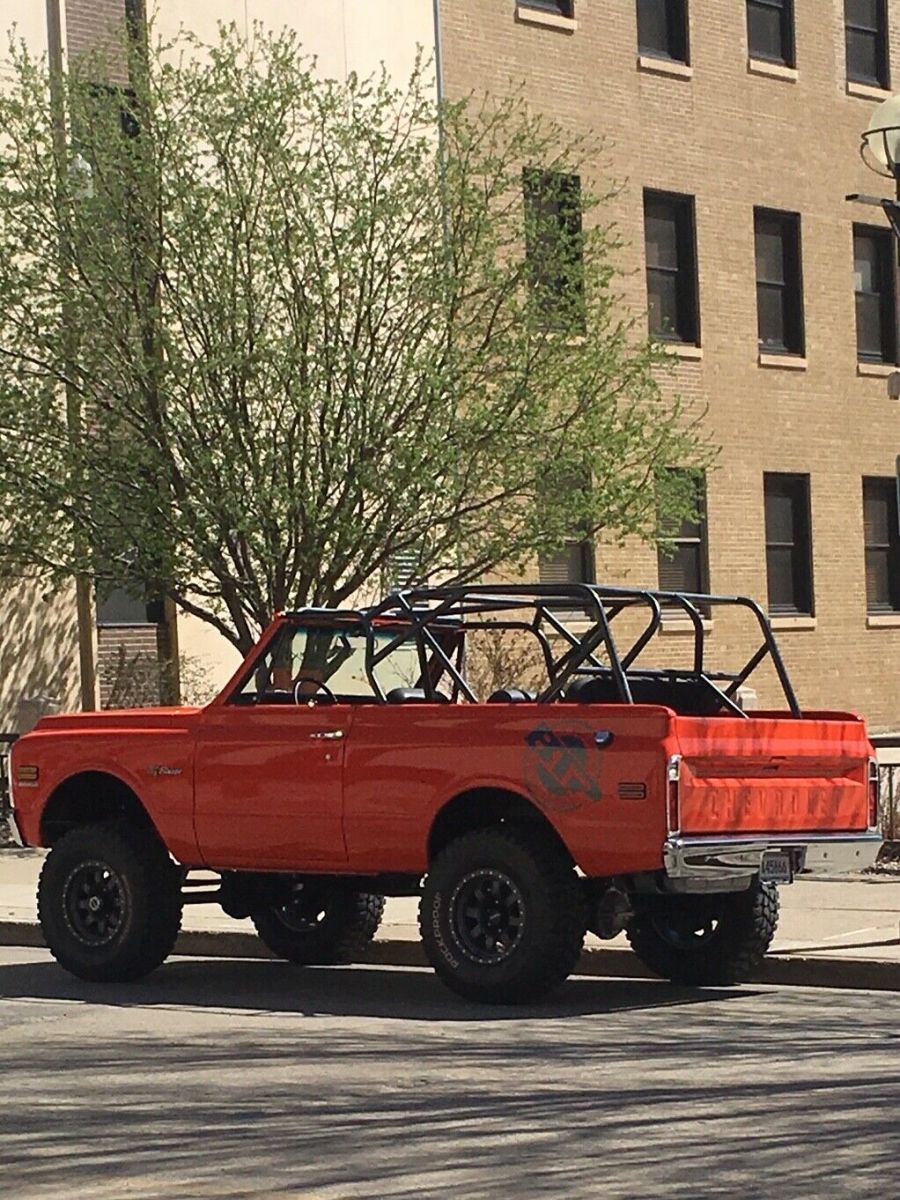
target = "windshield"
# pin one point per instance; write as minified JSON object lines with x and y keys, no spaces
{"x":302,"y":657}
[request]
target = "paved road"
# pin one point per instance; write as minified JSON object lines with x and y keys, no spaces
{"x":252,"y":1079}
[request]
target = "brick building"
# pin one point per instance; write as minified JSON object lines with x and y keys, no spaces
{"x":733,"y":127}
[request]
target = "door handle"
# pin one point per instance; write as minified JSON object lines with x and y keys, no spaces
{"x":328,"y":735}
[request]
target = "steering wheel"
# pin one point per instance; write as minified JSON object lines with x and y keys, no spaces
{"x":320,"y":687}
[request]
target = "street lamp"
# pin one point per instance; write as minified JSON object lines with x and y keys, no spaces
{"x":881,"y":141}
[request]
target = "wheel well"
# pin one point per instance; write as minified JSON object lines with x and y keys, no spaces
{"x":484,"y":807}
{"x":87,"y":798}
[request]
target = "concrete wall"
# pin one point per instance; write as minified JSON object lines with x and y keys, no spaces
{"x":735,"y":138}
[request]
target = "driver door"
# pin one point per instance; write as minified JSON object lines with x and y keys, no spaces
{"x":269,"y":764}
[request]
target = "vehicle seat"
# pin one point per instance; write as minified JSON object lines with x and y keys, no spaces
{"x":511,"y":696}
{"x":408,"y":695}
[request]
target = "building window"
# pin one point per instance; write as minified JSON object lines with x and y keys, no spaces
{"x":663,"y":29}
{"x":573,"y":563}
{"x":788,"y":544}
{"x":683,"y":552}
{"x":882,"y":538}
{"x":553,"y":242}
{"x":770,"y":30}
{"x":671,"y":267}
{"x":779,"y":284}
{"x":876,"y":319}
{"x":119,"y":606}
{"x":562,"y":8}
{"x":865,"y":22}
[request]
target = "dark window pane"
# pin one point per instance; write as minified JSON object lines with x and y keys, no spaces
{"x":553,"y":245}
{"x":572,"y":564}
{"x":778,"y":282}
{"x":661,"y":229}
{"x":662,"y":28}
{"x":882,"y":545}
{"x":564,"y":8}
{"x":788,"y":545}
{"x":770,"y":252}
{"x":873,"y":262}
{"x":117,"y":606}
{"x":771,"y":317}
{"x":662,"y":293}
{"x":682,"y":554}
{"x":770,"y":30}
{"x":867,"y":41}
{"x":671,"y":267}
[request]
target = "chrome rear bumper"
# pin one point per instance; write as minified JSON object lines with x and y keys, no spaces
{"x":717,"y":863}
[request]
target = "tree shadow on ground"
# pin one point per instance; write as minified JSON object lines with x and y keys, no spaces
{"x":404,"y":993}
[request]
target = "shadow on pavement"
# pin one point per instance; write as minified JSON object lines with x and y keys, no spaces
{"x":404,"y":993}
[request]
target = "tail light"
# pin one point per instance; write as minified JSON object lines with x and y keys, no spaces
{"x":874,"y":794}
{"x":673,"y":793}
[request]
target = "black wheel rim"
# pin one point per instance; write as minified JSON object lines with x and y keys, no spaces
{"x":95,"y":902}
{"x":487,"y":916}
{"x":305,"y":911}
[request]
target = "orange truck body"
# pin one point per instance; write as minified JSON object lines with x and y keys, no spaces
{"x":357,"y":788}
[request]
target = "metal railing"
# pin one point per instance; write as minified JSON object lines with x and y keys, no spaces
{"x":889,"y":779}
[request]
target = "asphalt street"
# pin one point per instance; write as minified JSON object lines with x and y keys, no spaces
{"x":223,"y":1078}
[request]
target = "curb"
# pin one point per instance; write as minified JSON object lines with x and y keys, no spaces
{"x":792,"y":971}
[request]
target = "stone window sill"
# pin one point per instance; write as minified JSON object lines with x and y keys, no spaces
{"x":878,"y":370}
{"x":759,"y":66}
{"x":784,"y":621}
{"x":784,"y":362}
{"x":538,"y":16}
{"x":866,"y":91}
{"x":890,"y":620}
{"x":684,"y":350}
{"x":665,"y":66}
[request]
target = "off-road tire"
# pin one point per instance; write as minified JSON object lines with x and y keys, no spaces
{"x":729,"y":952}
{"x":535,"y":881}
{"x":137,"y":890}
{"x":348,"y":923}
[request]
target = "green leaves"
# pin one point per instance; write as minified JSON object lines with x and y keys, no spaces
{"x":296,"y":330}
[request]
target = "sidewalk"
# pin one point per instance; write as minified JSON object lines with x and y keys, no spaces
{"x":831,"y":934}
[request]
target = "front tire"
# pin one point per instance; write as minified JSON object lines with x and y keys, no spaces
{"x":109,"y":902}
{"x":502,"y":916}
{"x":706,"y":941}
{"x":321,"y":925}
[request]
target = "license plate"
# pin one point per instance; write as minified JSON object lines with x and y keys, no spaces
{"x":775,"y":867}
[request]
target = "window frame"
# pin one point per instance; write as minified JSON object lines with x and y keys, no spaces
{"x":788,"y":33}
{"x":558,"y":8}
{"x":678,"y":48}
{"x":793,"y":339}
{"x":687,"y":331}
{"x":881,"y":37}
{"x":887,"y":296}
{"x":891,"y":548}
{"x":561,"y":309}
{"x":801,"y":545}
{"x":680,"y":540}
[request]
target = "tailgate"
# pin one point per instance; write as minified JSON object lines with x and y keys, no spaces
{"x":773,"y":774}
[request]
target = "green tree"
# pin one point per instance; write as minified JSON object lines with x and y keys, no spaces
{"x":307,"y":330}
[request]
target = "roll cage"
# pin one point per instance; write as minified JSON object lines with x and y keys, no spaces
{"x":438,"y":619}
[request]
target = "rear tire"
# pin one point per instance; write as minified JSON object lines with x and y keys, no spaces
{"x":321,"y":926}
{"x":502,"y":916}
{"x":109,"y":902}
{"x":706,"y":941}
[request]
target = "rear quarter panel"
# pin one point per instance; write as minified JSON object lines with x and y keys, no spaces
{"x":404,"y":763}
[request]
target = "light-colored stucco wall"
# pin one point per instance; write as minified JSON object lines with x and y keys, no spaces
{"x":344,"y":35}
